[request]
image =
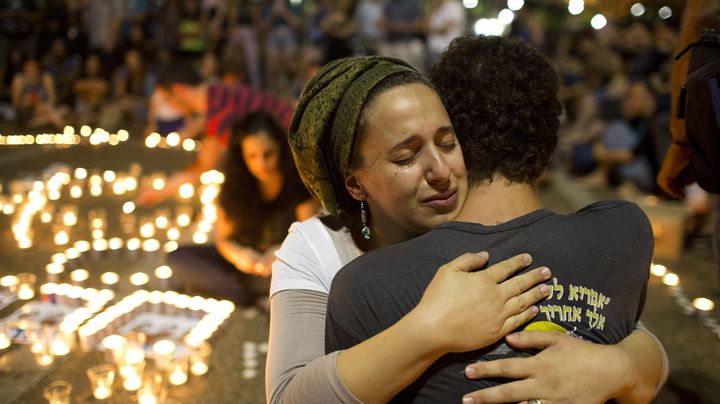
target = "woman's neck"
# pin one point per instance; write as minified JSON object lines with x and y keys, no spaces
{"x":270,"y":188}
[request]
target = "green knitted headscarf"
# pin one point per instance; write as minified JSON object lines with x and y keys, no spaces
{"x":323,"y":128}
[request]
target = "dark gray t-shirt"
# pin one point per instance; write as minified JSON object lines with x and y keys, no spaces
{"x":600,"y":259}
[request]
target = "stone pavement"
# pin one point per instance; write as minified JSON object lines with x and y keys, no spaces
{"x":693,"y":349}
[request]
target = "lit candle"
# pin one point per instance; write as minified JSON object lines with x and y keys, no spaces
{"x":163,"y":350}
{"x":44,"y":359}
{"x":26,"y":286}
{"x":109,"y":176}
{"x":147,"y":230}
{"x":114,"y":344}
{"x":132,"y":382}
{"x":101,"y":392}
{"x":115,"y":243}
{"x":703,"y":306}
{"x":671,"y":279}
{"x":134,"y":355}
{"x":119,"y":187}
{"x":79,"y":276}
{"x":9,"y":281}
{"x":163,"y":272}
{"x":158,"y":183}
{"x":46,"y":217}
{"x":172,"y":139}
{"x":80,"y":173}
{"x":128,"y":207}
{"x":139,"y":279}
{"x":4,"y":340}
{"x":658,"y":270}
{"x":61,"y":237}
{"x":81,"y":246}
{"x":173,"y":234}
{"x":109,"y":278}
{"x":178,"y":374}
{"x":147,"y":398}
{"x":54,"y":270}
{"x":101,"y":380}
{"x":152,"y":140}
{"x":186,"y":190}
{"x":69,"y":218}
{"x":161,"y":222}
{"x":188,"y":145}
{"x":59,"y":347}
{"x":200,"y":237}
{"x":199,"y":368}
{"x":76,"y":191}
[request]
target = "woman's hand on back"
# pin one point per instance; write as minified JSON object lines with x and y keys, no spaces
{"x":467,"y":309}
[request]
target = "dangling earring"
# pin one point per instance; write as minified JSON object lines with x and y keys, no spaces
{"x":363,"y":218}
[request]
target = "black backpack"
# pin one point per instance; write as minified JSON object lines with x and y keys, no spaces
{"x":699,"y":105}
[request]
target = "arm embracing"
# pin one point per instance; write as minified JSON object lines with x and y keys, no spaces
{"x":298,"y":371}
{"x":629,"y":372}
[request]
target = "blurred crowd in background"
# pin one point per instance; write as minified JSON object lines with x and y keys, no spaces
{"x":94,"y":62}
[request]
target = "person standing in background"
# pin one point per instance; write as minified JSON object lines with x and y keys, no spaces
{"x":447,"y":20}
{"x":675,"y":173}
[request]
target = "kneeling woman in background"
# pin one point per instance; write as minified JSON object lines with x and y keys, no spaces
{"x":259,"y":199}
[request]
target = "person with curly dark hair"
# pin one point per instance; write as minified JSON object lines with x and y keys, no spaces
{"x":501,"y":96}
{"x":260,"y":198}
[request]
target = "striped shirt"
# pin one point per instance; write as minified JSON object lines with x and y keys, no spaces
{"x":229,"y":103}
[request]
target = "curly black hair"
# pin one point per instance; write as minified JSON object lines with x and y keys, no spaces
{"x":501,"y":95}
{"x":240,"y":192}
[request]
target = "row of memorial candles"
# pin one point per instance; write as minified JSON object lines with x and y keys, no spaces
{"x":701,"y":306}
{"x":98,"y":136}
{"x":69,"y":137}
{"x":27,"y":203}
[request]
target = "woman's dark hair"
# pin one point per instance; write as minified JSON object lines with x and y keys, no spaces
{"x":240,"y":192}
{"x":501,"y":95}
{"x":390,"y":82}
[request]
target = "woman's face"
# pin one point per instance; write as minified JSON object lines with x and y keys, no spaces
{"x":262,"y":155}
{"x":413,"y":174}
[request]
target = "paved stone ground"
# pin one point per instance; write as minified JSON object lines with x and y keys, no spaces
{"x":693,"y":349}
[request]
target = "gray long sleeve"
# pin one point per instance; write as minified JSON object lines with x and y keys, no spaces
{"x":297,"y":370}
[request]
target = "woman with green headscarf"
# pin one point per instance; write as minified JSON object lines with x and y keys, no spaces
{"x":374,"y":144}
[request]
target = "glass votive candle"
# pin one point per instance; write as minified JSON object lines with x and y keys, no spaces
{"x":114,"y":345}
{"x":199,"y":358}
{"x":43,"y":356}
{"x":59,"y":343}
{"x":132,"y":376}
{"x":164,"y":352}
{"x":26,"y":285}
{"x":153,"y":390}
{"x":58,"y":392}
{"x":134,"y":347}
{"x":54,"y":270}
{"x":101,"y":380}
{"x":9,"y":282}
{"x":178,"y":371}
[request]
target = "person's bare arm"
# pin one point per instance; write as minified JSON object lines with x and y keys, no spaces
{"x":675,"y":172}
{"x":629,"y":372}
{"x":439,"y":324}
